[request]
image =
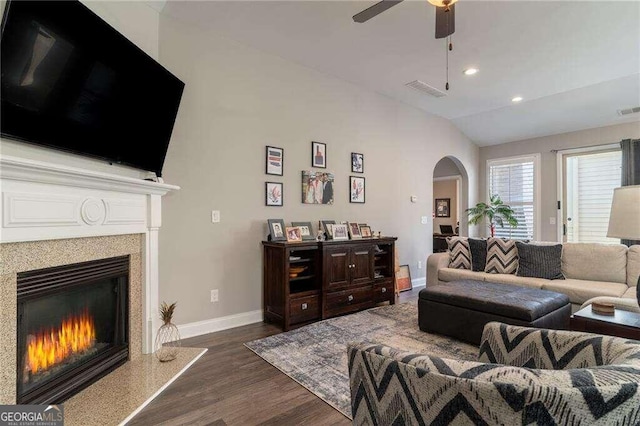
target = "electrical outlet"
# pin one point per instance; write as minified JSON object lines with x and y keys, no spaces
{"x":214,"y":296}
{"x":419,"y":264}
{"x":424,"y":220}
{"x":215,"y":216}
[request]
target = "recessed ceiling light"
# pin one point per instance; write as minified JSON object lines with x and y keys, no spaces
{"x":470,"y":71}
{"x":517,"y":99}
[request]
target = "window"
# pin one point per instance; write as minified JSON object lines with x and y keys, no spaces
{"x":590,"y":178}
{"x":515,"y":181}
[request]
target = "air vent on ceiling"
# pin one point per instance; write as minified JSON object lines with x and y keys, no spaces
{"x":425,"y":88}
{"x":628,"y":111}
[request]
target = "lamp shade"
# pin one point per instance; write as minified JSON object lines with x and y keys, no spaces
{"x":624,"y":221}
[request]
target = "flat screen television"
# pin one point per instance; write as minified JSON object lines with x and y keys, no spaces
{"x":72,"y":82}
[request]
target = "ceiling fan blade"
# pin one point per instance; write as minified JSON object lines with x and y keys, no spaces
{"x":374,"y":10}
{"x":445,"y":21}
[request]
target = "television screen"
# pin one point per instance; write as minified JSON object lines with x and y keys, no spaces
{"x":70,"y":81}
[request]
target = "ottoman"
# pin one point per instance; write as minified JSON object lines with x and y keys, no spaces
{"x":460,"y":309}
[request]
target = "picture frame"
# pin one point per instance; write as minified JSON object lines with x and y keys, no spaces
{"x":319,"y":155}
{"x":326,"y":227}
{"x":293,"y":234}
{"x":365,"y":231}
{"x":306,"y":230}
{"x":354,"y":231}
{"x":317,"y":187}
{"x":443,"y":207}
{"x":276,"y":230}
{"x":357,"y":162}
{"x":403,"y":279}
{"x":340,"y":232}
{"x":274,"y":161}
{"x":356,"y":189}
{"x":273,"y":194}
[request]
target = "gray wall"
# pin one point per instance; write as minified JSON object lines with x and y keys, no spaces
{"x":544,"y":145}
{"x":445,"y":168}
{"x":236,"y":101}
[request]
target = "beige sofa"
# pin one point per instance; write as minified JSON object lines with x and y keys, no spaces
{"x":605,"y":272}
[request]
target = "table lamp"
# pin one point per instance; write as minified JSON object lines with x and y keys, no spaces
{"x":624,"y":221}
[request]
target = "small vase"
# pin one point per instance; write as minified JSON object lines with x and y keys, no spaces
{"x":167,"y":342}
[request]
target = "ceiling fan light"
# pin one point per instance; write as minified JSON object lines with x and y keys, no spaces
{"x":471,"y":71}
{"x":516,"y":99}
{"x":442,"y":3}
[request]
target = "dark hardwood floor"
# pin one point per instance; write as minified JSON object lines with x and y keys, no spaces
{"x":230,"y":385}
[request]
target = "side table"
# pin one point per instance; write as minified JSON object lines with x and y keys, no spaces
{"x":623,"y":324}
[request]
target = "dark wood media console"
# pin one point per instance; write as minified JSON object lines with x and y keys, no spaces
{"x":339,"y":277}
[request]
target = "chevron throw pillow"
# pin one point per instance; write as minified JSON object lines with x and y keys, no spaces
{"x":459,"y":253}
{"x":502,"y":256}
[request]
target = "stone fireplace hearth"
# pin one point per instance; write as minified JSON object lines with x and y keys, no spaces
{"x":28,"y":256}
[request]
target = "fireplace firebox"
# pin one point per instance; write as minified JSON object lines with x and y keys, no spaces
{"x":72,"y":328}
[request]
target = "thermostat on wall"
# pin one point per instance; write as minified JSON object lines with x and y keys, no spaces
{"x":414,"y":198}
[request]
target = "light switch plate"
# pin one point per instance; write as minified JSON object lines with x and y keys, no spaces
{"x":215,"y":216}
{"x":424,"y":220}
{"x":552,"y":221}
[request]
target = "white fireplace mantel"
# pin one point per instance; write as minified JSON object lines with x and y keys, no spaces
{"x":44,"y":201}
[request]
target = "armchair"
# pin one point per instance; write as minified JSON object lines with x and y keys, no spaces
{"x":523,"y":375}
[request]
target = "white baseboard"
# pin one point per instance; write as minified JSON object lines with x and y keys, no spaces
{"x":419,"y":282}
{"x":199,"y":328}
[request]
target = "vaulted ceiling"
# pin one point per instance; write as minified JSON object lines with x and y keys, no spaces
{"x":574,"y":63}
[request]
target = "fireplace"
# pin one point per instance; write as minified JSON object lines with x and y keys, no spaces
{"x":72,"y":327}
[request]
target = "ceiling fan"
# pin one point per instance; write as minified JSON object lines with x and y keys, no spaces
{"x":445,"y":20}
{"x":445,"y":14}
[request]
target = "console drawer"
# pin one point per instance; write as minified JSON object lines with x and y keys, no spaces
{"x":354,"y":299}
{"x":383,"y":291}
{"x":305,"y":308}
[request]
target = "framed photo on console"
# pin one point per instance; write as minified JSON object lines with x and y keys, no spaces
{"x":340,"y":232}
{"x":306,"y":230}
{"x":354,"y":231}
{"x":327,"y":225}
{"x":293,"y":234}
{"x":276,"y":229}
{"x":365,"y":230}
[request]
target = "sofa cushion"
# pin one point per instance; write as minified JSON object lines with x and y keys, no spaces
{"x":630,"y":293}
{"x":478,"y":254}
{"x":460,"y":255}
{"x":597,"y":262}
{"x":633,"y":265}
{"x":540,"y":261}
{"x":502,"y":256}
{"x":450,"y":274}
{"x":581,"y":290}
{"x":516,"y":280}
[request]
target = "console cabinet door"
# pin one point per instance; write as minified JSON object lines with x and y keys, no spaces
{"x":360,"y":268}
{"x":337,"y":262}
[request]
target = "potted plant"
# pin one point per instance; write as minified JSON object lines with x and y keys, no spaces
{"x":496,"y":213}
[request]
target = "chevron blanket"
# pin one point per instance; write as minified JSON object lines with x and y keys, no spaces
{"x":596,"y":382}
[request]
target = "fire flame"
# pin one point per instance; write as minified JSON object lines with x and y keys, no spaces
{"x":76,"y":334}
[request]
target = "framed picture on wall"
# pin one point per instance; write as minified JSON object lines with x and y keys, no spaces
{"x":356,"y":189}
{"x":443,"y":207}
{"x":357,"y":162}
{"x":319,"y":155}
{"x":274,"y":160}
{"x":273,"y":194}
{"x":317,"y":187}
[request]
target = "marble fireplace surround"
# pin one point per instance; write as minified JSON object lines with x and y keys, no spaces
{"x":55,"y":215}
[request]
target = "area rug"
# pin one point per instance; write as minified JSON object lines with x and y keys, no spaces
{"x":316,"y":355}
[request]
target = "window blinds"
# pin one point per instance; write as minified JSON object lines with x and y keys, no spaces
{"x":514,"y":182}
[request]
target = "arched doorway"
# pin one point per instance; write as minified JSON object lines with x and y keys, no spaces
{"x":450,"y":200}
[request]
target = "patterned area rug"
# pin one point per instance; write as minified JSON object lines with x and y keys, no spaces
{"x":316,"y":355}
